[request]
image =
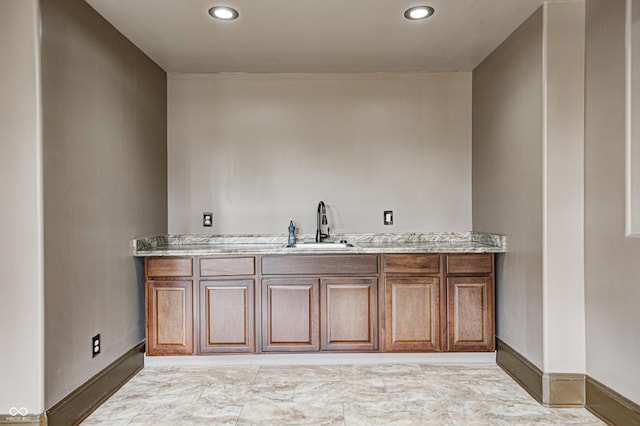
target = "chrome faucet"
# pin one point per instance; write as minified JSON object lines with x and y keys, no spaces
{"x":322,"y":220}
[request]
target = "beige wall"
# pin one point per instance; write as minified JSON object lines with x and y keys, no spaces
{"x":528,"y":169}
{"x":104,"y":145}
{"x":260,"y":150}
{"x":563,"y":169}
{"x":612,"y":261}
{"x":21,"y":285}
{"x":237,"y":141}
{"x":508,"y":179}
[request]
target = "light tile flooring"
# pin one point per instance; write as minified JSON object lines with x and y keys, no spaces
{"x":389,"y":394}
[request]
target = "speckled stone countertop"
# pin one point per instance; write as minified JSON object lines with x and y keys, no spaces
{"x":428,"y":242}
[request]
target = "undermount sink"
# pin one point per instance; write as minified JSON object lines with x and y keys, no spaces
{"x":312,"y":245}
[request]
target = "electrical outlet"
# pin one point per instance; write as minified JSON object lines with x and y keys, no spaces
{"x":207,"y":219}
{"x":388,"y":217}
{"x":95,"y":345}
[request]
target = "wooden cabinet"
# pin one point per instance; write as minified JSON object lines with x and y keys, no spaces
{"x":320,"y":265}
{"x":227,"y":266}
{"x":227,"y":308}
{"x":470,"y":302}
{"x":413,"y":314}
{"x":170,"y":318}
{"x":470,"y":314}
{"x":310,"y":314}
{"x":169,"y":306}
{"x":473,"y":264}
{"x":329,"y":302}
{"x":227,"y":320}
{"x":290,"y":314}
{"x":439,"y":302}
{"x":413,"y":302}
{"x":320,"y":302}
{"x":412,"y":264}
{"x":349,"y":314}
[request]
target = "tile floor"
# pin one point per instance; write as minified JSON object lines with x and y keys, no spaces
{"x":389,"y":394}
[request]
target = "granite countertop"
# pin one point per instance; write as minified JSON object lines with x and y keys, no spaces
{"x":428,"y":242}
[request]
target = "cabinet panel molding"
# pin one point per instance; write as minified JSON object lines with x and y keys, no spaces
{"x":413,"y":314}
{"x":470,"y":314}
{"x":227,"y":323}
{"x":170,"y":317}
{"x":348,"y":314}
{"x":290,"y":314}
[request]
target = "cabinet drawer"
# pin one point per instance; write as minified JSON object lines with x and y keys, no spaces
{"x":227,"y":266}
{"x":469,"y":263}
{"x":412,"y":263}
{"x":169,"y":267}
{"x":320,"y":265}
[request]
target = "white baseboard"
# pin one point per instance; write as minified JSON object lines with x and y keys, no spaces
{"x":321,"y":359}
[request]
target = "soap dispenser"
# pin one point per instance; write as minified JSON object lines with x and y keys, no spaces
{"x":292,"y":235}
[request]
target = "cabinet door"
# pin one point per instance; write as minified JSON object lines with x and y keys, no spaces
{"x":470,"y":314}
{"x":349,"y":314}
{"x":290,"y":314}
{"x":169,"y":317}
{"x":227,"y":309}
{"x":413,"y":314}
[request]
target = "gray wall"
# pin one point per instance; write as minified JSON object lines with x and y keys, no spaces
{"x":507,"y":179}
{"x":563,"y":188}
{"x":104,"y":145}
{"x":612,"y":270}
{"x":21,"y":285}
{"x":260,"y":150}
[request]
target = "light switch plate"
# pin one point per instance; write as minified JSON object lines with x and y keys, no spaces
{"x":388,"y":217}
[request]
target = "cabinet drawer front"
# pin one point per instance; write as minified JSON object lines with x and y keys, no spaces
{"x":469,"y":263}
{"x":320,"y":264}
{"x":227,"y":266}
{"x":169,"y":267}
{"x":412,"y":263}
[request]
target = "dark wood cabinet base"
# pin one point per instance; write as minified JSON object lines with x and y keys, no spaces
{"x":329,"y":302}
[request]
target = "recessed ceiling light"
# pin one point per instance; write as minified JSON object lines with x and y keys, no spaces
{"x":418,"y":12}
{"x":223,"y":12}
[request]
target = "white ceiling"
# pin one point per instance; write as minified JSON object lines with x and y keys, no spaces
{"x":316,"y":36}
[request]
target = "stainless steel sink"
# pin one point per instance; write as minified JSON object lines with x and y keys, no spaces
{"x":320,"y":246}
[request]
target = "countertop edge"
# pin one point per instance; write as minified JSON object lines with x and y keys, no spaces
{"x":434,"y":242}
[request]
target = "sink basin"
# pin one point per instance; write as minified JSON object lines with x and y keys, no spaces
{"x":320,"y":246}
